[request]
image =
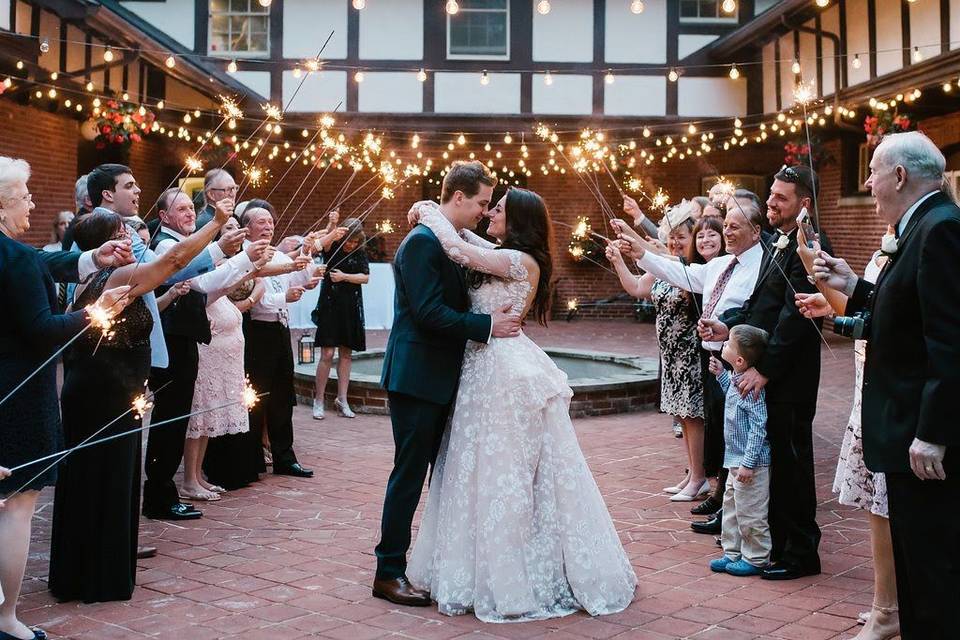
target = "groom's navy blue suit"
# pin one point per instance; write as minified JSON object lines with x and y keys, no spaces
{"x":421,"y":370}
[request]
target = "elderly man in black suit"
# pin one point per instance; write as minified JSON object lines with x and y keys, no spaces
{"x":790,"y":373}
{"x":421,"y":367}
{"x":911,"y":380}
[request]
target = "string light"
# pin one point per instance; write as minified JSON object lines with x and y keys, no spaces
{"x":484,"y":78}
{"x":20,"y":64}
{"x":728,"y":6}
{"x":171,"y":62}
{"x":422,"y":75}
{"x":547,"y":79}
{"x":734,"y":72}
{"x":232,"y":67}
{"x":637,"y":6}
{"x":453,"y":7}
{"x":673,"y":76}
{"x":507,"y":139}
{"x":358,"y":77}
{"x":265,"y":3}
{"x":795,"y":67}
{"x":917,"y":56}
{"x":107,"y":55}
{"x":297,"y":72}
{"x":359,"y":5}
{"x":45,"y":46}
{"x":543,"y":7}
{"x":856,"y":61}
{"x":822,"y":3}
{"x":609,"y":77}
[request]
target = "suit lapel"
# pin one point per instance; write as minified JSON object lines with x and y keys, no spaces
{"x":928,"y":205}
{"x":769,"y":263}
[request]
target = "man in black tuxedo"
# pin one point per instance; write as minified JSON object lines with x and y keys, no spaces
{"x":790,"y":373}
{"x":422,"y":365}
{"x":911,"y":378}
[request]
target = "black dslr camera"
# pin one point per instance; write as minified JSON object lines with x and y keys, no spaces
{"x":855,"y":326}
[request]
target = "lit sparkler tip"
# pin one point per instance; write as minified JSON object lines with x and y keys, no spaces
{"x":312,"y":65}
{"x":250,"y":397}
{"x":229,"y":108}
{"x":576,"y":251}
{"x":385,"y":227}
{"x":388,"y":193}
{"x":803,"y":93}
{"x":194,"y":165}
{"x":102,"y":318}
{"x":572,"y":304}
{"x":273,"y":112}
{"x":326,"y":121}
{"x":141,"y":405}
{"x":661,"y":199}
{"x":634,"y":184}
{"x":582,"y":228}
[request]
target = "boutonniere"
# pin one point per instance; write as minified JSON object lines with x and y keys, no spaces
{"x":888,"y":245}
{"x":782,"y":242}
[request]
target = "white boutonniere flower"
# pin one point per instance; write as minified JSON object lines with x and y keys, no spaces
{"x":888,"y":244}
{"x":782,"y":242}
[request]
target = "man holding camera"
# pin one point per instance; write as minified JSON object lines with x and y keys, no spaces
{"x":911,"y":380}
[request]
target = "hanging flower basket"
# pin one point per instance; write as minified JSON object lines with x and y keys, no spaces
{"x":884,"y":122}
{"x":798,"y":152}
{"x":121,"y":124}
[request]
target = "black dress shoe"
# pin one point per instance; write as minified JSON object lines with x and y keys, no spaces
{"x":708,"y":507}
{"x":400,"y":591}
{"x":294,"y":470}
{"x":38,"y":634}
{"x":787,"y":571}
{"x":710,"y":526}
{"x":179,"y":511}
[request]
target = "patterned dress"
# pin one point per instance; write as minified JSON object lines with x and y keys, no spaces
{"x":515,"y":527}
{"x":856,"y":485}
{"x":681,"y":382}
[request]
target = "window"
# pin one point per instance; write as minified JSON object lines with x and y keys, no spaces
{"x":239,"y":27}
{"x":480,"y":30}
{"x":704,"y":11}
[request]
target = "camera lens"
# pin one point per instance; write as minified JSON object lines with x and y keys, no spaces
{"x":843,"y":325}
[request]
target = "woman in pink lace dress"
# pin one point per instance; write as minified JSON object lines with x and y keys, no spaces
{"x":515,"y":527}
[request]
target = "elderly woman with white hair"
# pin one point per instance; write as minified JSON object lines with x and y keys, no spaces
{"x":681,"y":382}
{"x":30,"y":332}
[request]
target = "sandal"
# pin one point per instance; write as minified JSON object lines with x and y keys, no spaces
{"x":212,"y":496}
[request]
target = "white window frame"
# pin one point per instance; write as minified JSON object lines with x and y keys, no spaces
{"x":228,"y":15}
{"x":720,"y":19}
{"x":468,"y":56}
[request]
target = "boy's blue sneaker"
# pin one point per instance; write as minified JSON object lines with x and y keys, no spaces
{"x":742,"y":568}
{"x":720,"y":564}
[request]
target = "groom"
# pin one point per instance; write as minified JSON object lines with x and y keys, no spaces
{"x":422,"y":364}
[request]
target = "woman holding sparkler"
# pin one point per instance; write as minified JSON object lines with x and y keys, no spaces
{"x":31,"y":332}
{"x":96,"y":510}
{"x":339,"y":315}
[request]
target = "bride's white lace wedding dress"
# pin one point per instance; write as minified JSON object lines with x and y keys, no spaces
{"x":515,"y":527}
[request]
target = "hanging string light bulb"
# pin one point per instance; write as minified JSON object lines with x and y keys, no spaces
{"x":734,"y":72}
{"x":728,"y":6}
{"x":484,"y":78}
{"x":359,"y":4}
{"x":795,"y":67}
{"x":358,"y":77}
{"x":637,"y":6}
{"x":453,"y":7}
{"x":422,"y":75}
{"x":547,"y":79}
{"x":232,"y":67}
{"x":673,"y":76}
{"x":856,"y":61}
{"x":171,"y":62}
{"x":609,"y":77}
{"x":108,"y":55}
{"x":543,"y":7}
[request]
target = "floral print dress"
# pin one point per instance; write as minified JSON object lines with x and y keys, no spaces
{"x":681,"y":382}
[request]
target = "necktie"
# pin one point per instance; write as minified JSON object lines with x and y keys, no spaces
{"x":718,"y":289}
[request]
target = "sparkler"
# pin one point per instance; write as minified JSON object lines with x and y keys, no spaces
{"x":272,"y":112}
{"x":573,"y":304}
{"x":384,"y":226}
{"x":194,"y":165}
{"x":229,"y":108}
{"x":249,"y":396}
{"x":141,"y":405}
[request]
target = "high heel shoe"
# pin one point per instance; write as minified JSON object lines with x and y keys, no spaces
{"x":881,"y":623}
{"x":344,"y":409}
{"x":685,"y":496}
{"x":318,"y":409}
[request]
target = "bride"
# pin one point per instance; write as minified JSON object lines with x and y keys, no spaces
{"x":515,"y":527}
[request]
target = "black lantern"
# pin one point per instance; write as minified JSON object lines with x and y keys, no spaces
{"x":305,"y":354}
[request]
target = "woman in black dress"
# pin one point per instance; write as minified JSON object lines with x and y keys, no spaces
{"x":339,"y":315}
{"x":30,"y":332}
{"x":96,"y":507}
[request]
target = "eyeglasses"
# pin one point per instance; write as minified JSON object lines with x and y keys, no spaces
{"x":27,"y":197}
{"x":232,"y":189}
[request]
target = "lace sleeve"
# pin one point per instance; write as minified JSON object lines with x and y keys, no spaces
{"x":476,"y":240}
{"x":504,"y":263}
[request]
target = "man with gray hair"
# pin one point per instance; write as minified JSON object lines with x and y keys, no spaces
{"x":82,"y":196}
{"x":217,"y":185}
{"x":911,"y":377}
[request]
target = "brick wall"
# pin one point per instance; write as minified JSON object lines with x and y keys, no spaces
{"x":48,"y":142}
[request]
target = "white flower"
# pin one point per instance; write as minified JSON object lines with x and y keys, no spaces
{"x":782,"y":242}
{"x":888,"y":244}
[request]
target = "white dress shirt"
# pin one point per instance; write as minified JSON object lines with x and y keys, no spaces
{"x":272,"y":306}
{"x":905,"y":218}
{"x":227,"y":273}
{"x":701,"y":278}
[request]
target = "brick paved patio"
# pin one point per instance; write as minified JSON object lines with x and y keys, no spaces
{"x":293,"y":558}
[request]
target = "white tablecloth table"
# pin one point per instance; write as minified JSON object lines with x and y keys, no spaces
{"x":377,"y":301}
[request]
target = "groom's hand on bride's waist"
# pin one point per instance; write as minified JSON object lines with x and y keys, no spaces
{"x":506,"y":324}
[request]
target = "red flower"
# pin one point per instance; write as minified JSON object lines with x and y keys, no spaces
{"x":105,"y":129}
{"x":118,"y":139}
{"x":135,"y":137}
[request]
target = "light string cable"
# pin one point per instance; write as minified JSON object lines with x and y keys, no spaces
{"x":139,"y":405}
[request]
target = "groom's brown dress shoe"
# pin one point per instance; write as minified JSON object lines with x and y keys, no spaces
{"x":400,"y":591}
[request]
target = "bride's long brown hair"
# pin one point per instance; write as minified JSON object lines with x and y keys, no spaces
{"x":528,"y":229}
